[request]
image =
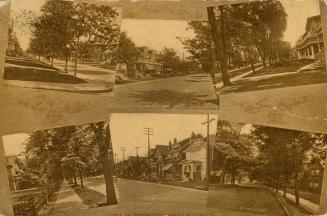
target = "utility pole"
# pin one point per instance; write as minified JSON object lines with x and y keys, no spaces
{"x":207,"y":123}
{"x":149,"y":132}
{"x":115,"y":158}
{"x":137,"y":150}
{"x":123,"y":149}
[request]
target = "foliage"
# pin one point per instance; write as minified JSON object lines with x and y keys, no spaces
{"x":236,"y":150}
{"x":127,"y":51}
{"x":287,"y":154}
{"x":169,"y":58}
{"x":66,"y":25}
{"x":200,"y":45}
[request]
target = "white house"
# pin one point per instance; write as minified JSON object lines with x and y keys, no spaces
{"x":194,"y":167}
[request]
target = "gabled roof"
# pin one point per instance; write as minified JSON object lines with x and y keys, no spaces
{"x":310,"y":20}
{"x":161,"y":150}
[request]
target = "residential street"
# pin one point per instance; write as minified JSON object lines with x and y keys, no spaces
{"x":142,"y":197}
{"x":299,"y":107}
{"x":192,"y":93}
{"x":244,"y":200}
{"x":46,"y":108}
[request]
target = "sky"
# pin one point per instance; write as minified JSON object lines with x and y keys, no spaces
{"x":157,"y":34}
{"x":13,"y":144}
{"x":127,"y":131}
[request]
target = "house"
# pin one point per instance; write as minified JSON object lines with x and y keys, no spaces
{"x":157,"y":161}
{"x":15,"y":167}
{"x":148,"y":62}
{"x":310,"y":45}
{"x":194,"y":167}
{"x":312,"y":178}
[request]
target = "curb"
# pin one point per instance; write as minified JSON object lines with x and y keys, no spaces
{"x":55,"y":86}
{"x":281,"y":202}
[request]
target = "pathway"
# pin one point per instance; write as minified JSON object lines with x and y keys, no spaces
{"x":67,"y":203}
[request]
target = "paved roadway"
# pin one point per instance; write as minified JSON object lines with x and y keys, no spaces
{"x":244,"y":201}
{"x":299,"y":107}
{"x":149,"y":198}
{"x":42,"y":109}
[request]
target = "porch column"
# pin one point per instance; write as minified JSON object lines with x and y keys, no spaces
{"x":5,"y":199}
{"x":312,"y":51}
{"x":323,"y":15}
{"x":323,"y":197}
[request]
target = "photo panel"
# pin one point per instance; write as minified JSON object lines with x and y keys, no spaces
{"x":49,"y":172}
{"x":155,"y":164}
{"x":269,"y":62}
{"x":62,"y":46}
{"x":263,"y":170}
{"x":59,"y":65}
{"x":162,"y":71}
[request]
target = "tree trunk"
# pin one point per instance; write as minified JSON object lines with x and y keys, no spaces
{"x":76,"y":57}
{"x":263,"y":56}
{"x":222,"y":176}
{"x":296,"y":190}
{"x":52,"y":61}
{"x":103,"y":141}
{"x":233,"y":179}
{"x":284,"y":187}
{"x":81,"y":176}
{"x":74,"y":178}
{"x":218,"y":39}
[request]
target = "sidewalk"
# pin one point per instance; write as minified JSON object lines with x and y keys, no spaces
{"x":87,"y":72}
{"x":67,"y":203}
{"x":307,"y":205}
{"x":78,"y":88}
{"x":238,"y":77}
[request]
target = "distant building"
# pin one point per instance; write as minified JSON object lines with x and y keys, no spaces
{"x":157,"y":161}
{"x":173,"y":167}
{"x":310,"y":45}
{"x":312,"y":178}
{"x":148,"y":62}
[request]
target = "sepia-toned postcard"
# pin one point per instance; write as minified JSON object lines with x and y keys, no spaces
{"x":163,"y":107}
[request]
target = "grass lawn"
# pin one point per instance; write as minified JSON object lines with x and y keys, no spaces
{"x":35,"y":71}
{"x":28,"y":63}
{"x":302,"y":78}
{"x":312,"y":197}
{"x":236,"y":73}
{"x":283,"y":67}
{"x":39,"y":75}
{"x":243,"y":199}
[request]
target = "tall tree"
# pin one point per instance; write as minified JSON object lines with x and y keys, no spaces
{"x":126,"y":52}
{"x":200,"y":45}
{"x":286,"y":152}
{"x":103,"y":140}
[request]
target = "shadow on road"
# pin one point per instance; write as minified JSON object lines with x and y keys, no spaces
{"x":170,"y":98}
{"x":89,"y":197}
{"x":245,"y":200}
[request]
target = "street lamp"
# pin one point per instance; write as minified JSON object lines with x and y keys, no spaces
{"x":67,"y":52}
